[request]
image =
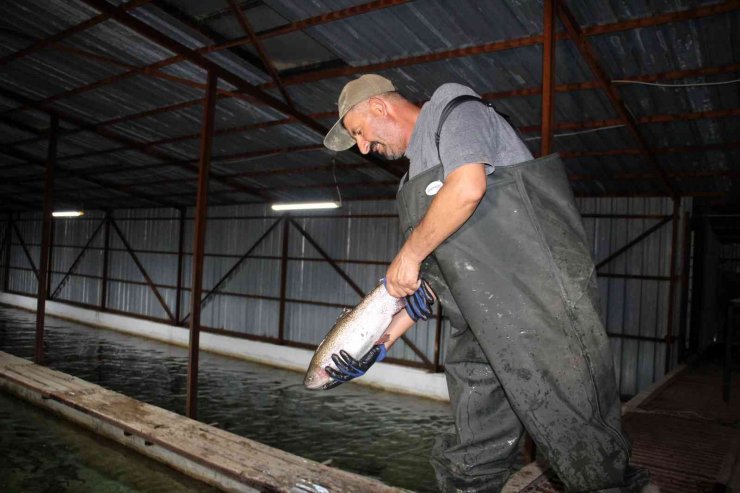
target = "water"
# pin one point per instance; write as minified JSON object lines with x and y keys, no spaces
{"x":355,"y":428}
{"x":42,"y":453}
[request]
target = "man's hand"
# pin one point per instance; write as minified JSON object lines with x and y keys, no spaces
{"x":349,"y":368}
{"x":455,"y":202}
{"x":402,"y":277}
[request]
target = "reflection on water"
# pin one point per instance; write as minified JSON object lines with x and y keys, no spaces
{"x":356,"y":428}
{"x":42,"y":453}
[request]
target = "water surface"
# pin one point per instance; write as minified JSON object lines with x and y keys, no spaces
{"x":355,"y":428}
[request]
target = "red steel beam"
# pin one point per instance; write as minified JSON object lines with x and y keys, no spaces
{"x":725,"y":146}
{"x":78,"y":28}
{"x":247,"y":27}
{"x":283,"y":281}
{"x":563,"y":126}
{"x":548,"y":76}
{"x":288,"y":28}
{"x":205,"y":63}
{"x":531,"y":91}
{"x":109,"y":134}
{"x":180,"y":255}
{"x":513,"y":43}
{"x":588,"y":53}
{"x":6,"y":251}
{"x":106,"y":261}
{"x":672,"y":284}
{"x":199,"y":244}
{"x":486,"y":48}
{"x":648,"y":176}
{"x":46,"y":237}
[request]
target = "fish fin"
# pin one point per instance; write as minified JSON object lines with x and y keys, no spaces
{"x":345,"y":311}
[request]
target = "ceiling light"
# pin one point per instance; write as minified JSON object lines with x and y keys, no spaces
{"x":297,"y":206}
{"x":67,"y":213}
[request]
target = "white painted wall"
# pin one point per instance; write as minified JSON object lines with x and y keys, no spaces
{"x":394,"y":378}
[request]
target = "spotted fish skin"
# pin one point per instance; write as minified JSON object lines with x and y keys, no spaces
{"x":356,"y":331}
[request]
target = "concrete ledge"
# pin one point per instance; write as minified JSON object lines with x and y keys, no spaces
{"x":227,"y":461}
{"x":394,"y":378}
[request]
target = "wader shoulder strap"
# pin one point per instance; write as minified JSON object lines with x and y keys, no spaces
{"x":454,"y":103}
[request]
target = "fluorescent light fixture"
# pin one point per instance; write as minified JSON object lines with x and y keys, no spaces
{"x":67,"y":213}
{"x":297,"y":206}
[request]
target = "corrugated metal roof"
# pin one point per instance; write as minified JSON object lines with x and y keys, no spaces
{"x":384,"y":35}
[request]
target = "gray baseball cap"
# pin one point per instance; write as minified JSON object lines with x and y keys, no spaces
{"x":356,"y":91}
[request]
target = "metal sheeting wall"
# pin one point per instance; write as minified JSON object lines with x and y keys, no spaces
{"x":730,"y":257}
{"x":361,"y":240}
{"x":634,"y":287}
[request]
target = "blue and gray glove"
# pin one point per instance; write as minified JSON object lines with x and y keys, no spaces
{"x":348,"y":368}
{"x":419,"y":304}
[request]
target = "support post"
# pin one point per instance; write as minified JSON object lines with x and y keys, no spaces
{"x":548,"y":77}
{"x":180,"y":253}
{"x":283,"y":282}
{"x":6,"y":247}
{"x":685,"y":267}
{"x":43,"y":278}
{"x":50,"y":268}
{"x":106,"y":259}
{"x":206,"y":141}
{"x":672,"y":283}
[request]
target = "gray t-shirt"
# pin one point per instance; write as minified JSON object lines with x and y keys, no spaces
{"x":472,"y":133}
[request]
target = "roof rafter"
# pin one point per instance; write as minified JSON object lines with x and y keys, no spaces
{"x":495,"y":46}
{"x":193,"y":56}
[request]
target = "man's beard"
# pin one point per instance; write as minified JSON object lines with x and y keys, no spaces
{"x":387,"y":153}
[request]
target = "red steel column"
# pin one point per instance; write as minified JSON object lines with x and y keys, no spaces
{"x":180,"y":252}
{"x":283,"y":281}
{"x":672,"y":283}
{"x":106,"y":260}
{"x":6,"y":248}
{"x":43,"y":279}
{"x":548,"y":77}
{"x":206,"y":141}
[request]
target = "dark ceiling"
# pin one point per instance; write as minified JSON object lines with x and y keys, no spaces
{"x":646,"y":95}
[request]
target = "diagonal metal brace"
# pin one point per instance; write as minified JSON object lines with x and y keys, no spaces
{"x":234,"y":269}
{"x":77,"y":260}
{"x":634,"y":242}
{"x":354,"y":286}
{"x":25,"y":250}
{"x":149,"y":281}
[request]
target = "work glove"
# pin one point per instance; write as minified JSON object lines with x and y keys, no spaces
{"x":419,"y":304}
{"x":348,"y":368}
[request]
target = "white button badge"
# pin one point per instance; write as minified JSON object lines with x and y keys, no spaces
{"x":434,"y":187}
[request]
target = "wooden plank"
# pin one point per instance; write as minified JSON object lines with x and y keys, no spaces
{"x":208,"y":453}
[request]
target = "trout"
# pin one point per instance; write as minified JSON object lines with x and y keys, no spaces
{"x":356,"y":331}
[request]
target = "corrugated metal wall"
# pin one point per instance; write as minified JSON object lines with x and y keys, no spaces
{"x":729,"y":257}
{"x":361,"y":238}
{"x":634,"y":286}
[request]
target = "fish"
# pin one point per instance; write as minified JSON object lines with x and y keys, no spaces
{"x":356,"y":331}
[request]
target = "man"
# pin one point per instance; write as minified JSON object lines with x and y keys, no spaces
{"x":497,"y":235}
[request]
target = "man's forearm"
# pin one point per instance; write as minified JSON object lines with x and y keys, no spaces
{"x":449,"y":210}
{"x":451,"y":207}
{"x":399,"y":325}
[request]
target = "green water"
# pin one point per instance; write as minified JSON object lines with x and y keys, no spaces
{"x":374,"y":433}
{"x":42,"y":453}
